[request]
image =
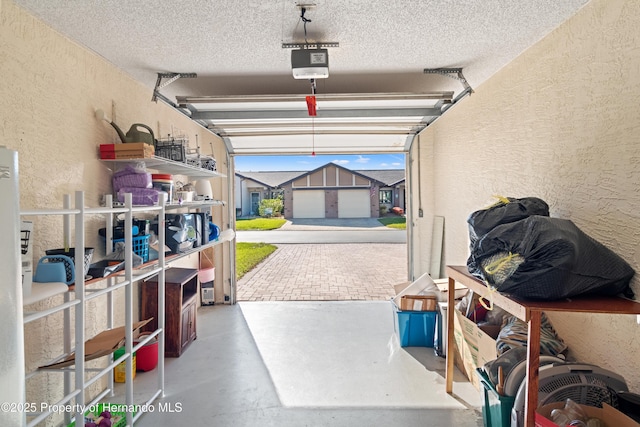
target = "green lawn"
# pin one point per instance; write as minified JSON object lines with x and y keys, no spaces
{"x":259,"y":223}
{"x":394,"y":222}
{"x":248,"y":255}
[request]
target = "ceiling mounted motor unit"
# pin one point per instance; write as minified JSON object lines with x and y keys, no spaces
{"x":310,"y":63}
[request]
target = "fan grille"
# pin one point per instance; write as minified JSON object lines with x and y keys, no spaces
{"x":584,"y":384}
{"x":585,"y":389}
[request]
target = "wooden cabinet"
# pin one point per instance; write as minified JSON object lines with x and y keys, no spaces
{"x":181,"y":290}
{"x":188,"y":324}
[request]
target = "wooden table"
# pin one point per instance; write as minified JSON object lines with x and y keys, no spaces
{"x":529,"y":312}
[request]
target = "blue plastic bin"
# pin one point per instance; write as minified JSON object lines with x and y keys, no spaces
{"x":416,"y":328}
{"x":140,"y":246}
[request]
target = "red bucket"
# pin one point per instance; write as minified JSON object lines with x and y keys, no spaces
{"x":147,"y":355}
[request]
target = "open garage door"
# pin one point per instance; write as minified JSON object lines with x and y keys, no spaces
{"x":354,"y":204}
{"x":308,"y":204}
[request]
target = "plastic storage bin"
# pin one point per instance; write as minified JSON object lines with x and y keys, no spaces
{"x":416,"y":328}
{"x":71,"y":253}
{"x":147,"y":355}
{"x":496,"y":409}
{"x":140,"y":246}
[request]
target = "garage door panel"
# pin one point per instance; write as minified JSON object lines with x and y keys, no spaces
{"x":308,"y":204}
{"x":354,"y":204}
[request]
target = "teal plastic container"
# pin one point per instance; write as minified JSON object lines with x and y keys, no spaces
{"x":496,"y":409}
{"x":416,"y":328}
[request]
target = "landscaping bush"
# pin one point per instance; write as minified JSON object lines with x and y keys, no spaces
{"x":270,"y":207}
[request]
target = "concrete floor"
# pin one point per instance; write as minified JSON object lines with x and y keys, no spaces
{"x":311,"y":363}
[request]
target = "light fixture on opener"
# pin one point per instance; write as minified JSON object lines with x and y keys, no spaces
{"x":309,"y":60}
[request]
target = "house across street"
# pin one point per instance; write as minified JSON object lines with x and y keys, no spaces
{"x":330,"y":191}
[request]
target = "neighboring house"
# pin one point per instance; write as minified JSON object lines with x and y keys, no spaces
{"x":392,"y":193}
{"x":253,"y":187}
{"x":330,"y":191}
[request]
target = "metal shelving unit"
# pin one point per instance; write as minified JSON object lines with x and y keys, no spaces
{"x":164,"y":165}
{"x":75,"y":299}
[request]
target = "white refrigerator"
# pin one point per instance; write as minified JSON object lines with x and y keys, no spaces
{"x":12,"y":380}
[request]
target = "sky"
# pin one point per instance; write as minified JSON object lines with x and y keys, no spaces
{"x":308,"y":162}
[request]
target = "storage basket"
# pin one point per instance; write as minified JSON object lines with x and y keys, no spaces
{"x":24,"y":241}
{"x":140,"y":246}
{"x":204,"y":162}
{"x":71,"y":253}
{"x":172,"y":149}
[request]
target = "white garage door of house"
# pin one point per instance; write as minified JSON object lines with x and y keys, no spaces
{"x":308,"y":204}
{"x":354,"y":204}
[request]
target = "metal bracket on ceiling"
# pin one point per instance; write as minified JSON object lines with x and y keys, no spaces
{"x":310,"y":45}
{"x":448,"y":72}
{"x":172,"y":77}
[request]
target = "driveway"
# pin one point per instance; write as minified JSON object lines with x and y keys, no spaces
{"x":312,"y":271}
{"x":358,"y":230}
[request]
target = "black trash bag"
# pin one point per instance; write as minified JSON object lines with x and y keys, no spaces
{"x":555,"y":260}
{"x":505,"y":211}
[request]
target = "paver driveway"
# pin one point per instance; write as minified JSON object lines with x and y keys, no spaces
{"x":328,"y":272}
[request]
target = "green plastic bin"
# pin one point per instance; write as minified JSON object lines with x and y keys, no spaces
{"x":496,"y":409}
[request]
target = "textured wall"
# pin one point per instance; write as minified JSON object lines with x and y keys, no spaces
{"x":560,"y":122}
{"x":50,"y":90}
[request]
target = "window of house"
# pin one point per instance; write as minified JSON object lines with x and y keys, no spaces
{"x":386,"y":197}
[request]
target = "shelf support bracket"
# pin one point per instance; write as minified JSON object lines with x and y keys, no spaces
{"x":172,"y":77}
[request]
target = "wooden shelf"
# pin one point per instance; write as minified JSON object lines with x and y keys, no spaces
{"x":529,"y":311}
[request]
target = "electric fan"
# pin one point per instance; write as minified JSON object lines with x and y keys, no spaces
{"x":584,"y":384}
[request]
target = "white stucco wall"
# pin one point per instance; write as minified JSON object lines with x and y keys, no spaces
{"x":562,"y":123}
{"x":50,"y":90}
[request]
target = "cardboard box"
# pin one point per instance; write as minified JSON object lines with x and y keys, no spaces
{"x":609,"y":416}
{"x":475,"y":347}
{"x":130,"y":150}
{"x":129,"y":146}
{"x":418,"y":303}
{"x":103,"y":344}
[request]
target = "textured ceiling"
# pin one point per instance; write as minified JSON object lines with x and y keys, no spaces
{"x":235,"y":47}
